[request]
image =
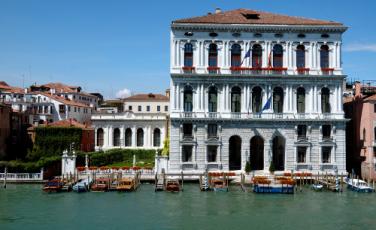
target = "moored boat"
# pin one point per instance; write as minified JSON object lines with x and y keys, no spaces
{"x":172,"y":185}
{"x":54,"y":185}
{"x":219,"y":185}
{"x":126,"y":185}
{"x":100,"y":185}
{"x":317,"y":187}
{"x":358,"y":185}
{"x":82,"y":185}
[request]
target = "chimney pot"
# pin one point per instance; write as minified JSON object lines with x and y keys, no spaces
{"x":218,"y":10}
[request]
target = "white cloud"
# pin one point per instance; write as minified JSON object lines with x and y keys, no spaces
{"x":356,"y":47}
{"x":123,"y":93}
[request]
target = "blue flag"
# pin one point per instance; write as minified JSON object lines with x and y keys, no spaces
{"x":267,"y":104}
{"x":247,"y":55}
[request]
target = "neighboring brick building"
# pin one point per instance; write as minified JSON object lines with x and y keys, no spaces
{"x":5,"y":128}
{"x":361,"y":130}
{"x":87,"y":139}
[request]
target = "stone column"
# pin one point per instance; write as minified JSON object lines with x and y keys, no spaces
{"x":172,"y":93}
{"x":134,"y":136}
{"x":110,"y":136}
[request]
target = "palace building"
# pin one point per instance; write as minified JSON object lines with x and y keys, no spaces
{"x":259,"y":87}
{"x":141,"y":123}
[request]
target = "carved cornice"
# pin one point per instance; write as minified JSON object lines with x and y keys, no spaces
{"x":257,"y":28}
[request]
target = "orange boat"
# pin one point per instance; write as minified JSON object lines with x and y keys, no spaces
{"x":100,"y":185}
{"x":172,"y":186}
{"x":126,"y":185}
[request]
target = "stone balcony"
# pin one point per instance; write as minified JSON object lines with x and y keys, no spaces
{"x":260,"y":116}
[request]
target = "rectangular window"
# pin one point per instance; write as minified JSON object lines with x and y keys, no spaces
{"x":61,"y":108}
{"x":302,"y":152}
{"x":68,"y":108}
{"x":212,"y":153}
{"x":148,"y":108}
{"x":187,"y":153}
{"x":166,"y":108}
{"x":139,"y":108}
{"x":374,"y":151}
{"x":75,"y":109}
{"x":302,"y":132}
{"x":158,"y":108}
{"x":212,"y":130}
{"x":187,"y":131}
{"x":374,"y":108}
{"x":326,"y":131}
{"x":326,"y":154}
{"x":79,"y":110}
{"x":130,"y":108}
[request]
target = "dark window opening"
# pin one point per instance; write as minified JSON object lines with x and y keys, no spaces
{"x":256,"y":56}
{"x":235,"y":55}
{"x":302,"y":132}
{"x":212,"y":130}
{"x":213,"y":98}
{"x":300,"y":100}
{"x":324,"y":56}
{"x":213,"y":55}
{"x":326,"y":154}
{"x":277,"y":56}
{"x":236,"y":100}
{"x":278,"y":100}
{"x":326,"y":131}
{"x":256,"y":99}
{"x":300,"y":56}
{"x":187,"y":130}
{"x":212,"y":153}
{"x":188,"y":55}
{"x":187,"y":153}
{"x":325,"y":100}
{"x":302,"y":152}
{"x":188,"y":99}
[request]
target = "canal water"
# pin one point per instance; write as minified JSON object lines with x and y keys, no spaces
{"x":27,"y":207}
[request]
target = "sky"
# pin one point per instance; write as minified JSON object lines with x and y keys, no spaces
{"x":121,"y":47}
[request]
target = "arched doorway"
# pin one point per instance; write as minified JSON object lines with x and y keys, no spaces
{"x":235,"y":144}
{"x":279,"y":153}
{"x":257,"y":153}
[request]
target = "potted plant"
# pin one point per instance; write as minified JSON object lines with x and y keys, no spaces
{"x":271,"y":168}
{"x":247,"y":167}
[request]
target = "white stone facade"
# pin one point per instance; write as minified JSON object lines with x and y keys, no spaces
{"x":303,"y":128}
{"x":145,"y":131}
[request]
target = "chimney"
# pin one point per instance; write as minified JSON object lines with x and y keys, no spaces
{"x":168,"y":93}
{"x":358,"y":88}
{"x":218,"y":10}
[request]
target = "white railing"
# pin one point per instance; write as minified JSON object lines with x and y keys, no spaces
{"x":21,"y":176}
{"x":130,"y":171}
{"x":250,"y":115}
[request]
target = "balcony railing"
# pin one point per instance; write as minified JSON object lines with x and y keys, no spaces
{"x":213,"y":69}
{"x":302,"y":137}
{"x":212,"y":115}
{"x":188,"y":69}
{"x":236,"y":115}
{"x":258,"y":70}
{"x":327,"y":138}
{"x":188,"y":114}
{"x":302,"y":71}
{"x":327,"y":71}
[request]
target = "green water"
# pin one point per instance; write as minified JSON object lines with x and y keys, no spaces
{"x":27,"y":207}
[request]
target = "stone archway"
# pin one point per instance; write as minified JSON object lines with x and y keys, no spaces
{"x":257,"y":153}
{"x":279,"y":153}
{"x":235,"y":147}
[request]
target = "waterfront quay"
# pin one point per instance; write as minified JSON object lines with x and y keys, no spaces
{"x":26,"y":206}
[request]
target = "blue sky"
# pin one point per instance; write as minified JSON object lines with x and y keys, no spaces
{"x":107,"y":46}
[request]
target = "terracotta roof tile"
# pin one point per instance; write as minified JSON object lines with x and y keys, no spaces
{"x":246,"y":16}
{"x":62,"y":100}
{"x":147,"y":97}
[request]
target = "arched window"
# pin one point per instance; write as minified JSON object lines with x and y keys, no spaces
{"x":300,"y":56}
{"x":140,"y":137}
{"x":100,"y":136}
{"x":116,"y":137}
{"x":325,"y":100}
{"x":277,"y":56}
{"x":256,"y":56}
{"x":235,"y":99}
{"x":278,"y":100}
{"x":235,"y":55}
{"x":188,"y":99}
{"x":300,"y":100}
{"x":188,"y":55}
{"x":213,"y":55}
{"x":128,"y":137}
{"x":324,"y":56}
{"x":256,"y":99}
{"x":213,"y":99}
{"x":157,"y":137}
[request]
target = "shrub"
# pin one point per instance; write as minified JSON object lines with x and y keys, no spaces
{"x":247,"y":167}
